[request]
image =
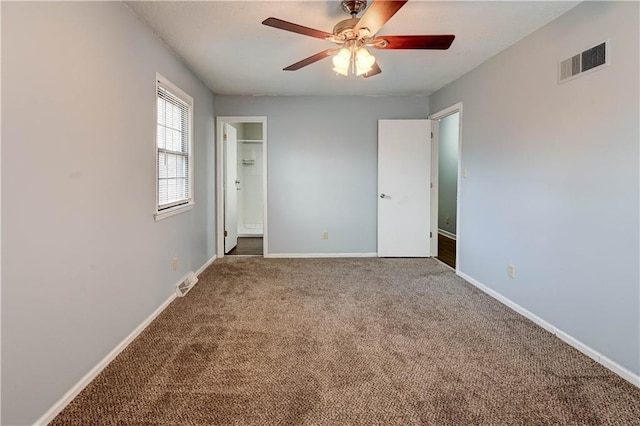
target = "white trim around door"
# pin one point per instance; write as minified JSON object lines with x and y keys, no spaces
{"x":434,"y":167}
{"x":220,"y":179}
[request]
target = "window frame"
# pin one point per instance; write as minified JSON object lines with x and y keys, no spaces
{"x":166,"y":212}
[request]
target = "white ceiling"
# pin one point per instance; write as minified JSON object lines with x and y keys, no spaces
{"x":226,"y":45}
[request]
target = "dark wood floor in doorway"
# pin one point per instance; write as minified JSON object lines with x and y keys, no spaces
{"x":247,"y":246}
{"x":447,"y":250}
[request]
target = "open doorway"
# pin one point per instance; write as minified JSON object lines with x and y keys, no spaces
{"x":241,"y":186}
{"x":448,"y":171}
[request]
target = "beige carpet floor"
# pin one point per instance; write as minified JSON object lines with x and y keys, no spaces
{"x":348,"y":342}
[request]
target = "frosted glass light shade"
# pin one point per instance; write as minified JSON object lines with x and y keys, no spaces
{"x":364,"y":60}
{"x":342,"y":58}
{"x":342,"y":71}
{"x":361,"y":60}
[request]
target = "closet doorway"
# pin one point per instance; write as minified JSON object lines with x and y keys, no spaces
{"x":447,"y":162}
{"x":241,"y":186}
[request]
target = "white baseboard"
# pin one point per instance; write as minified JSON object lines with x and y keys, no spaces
{"x":588,"y":351}
{"x":206,"y":265}
{"x":78,"y":387}
{"x":93,"y":373}
{"x":313,"y":255}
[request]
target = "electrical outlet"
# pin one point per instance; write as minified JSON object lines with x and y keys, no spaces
{"x":175,"y":263}
{"x":511,"y":271}
{"x":325,"y":235}
{"x":447,"y":221}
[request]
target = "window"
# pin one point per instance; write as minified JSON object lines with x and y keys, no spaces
{"x":174,"y":165}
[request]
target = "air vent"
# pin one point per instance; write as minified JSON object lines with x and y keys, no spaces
{"x":183,"y":288}
{"x":591,"y":59}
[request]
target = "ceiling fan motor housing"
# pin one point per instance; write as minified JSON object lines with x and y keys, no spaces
{"x":345,"y":26}
{"x":353,"y":7}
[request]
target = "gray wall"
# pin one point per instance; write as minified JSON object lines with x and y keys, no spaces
{"x":83,"y":261}
{"x":448,"y":171}
{"x":322,"y":167}
{"x":553,"y":178}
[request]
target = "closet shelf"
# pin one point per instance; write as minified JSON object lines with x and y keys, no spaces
{"x":250,"y":140}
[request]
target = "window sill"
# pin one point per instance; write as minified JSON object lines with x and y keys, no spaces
{"x":173,"y":211}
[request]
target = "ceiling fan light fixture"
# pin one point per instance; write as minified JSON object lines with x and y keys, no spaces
{"x":354,"y":34}
{"x":362,"y":71}
{"x":364,"y":59}
{"x":351,"y":59}
{"x":342,"y":59}
{"x":341,"y":71}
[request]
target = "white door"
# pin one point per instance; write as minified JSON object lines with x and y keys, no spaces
{"x":230,"y":185}
{"x":404,"y":193}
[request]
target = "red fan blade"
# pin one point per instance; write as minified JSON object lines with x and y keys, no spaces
{"x":374,"y":71}
{"x":295,"y":28}
{"x":441,"y":42}
{"x":378,"y":14}
{"x":310,"y":60}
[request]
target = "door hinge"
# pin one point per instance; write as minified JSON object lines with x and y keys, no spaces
{"x":431,"y":185}
{"x":430,"y":234}
{"x":431,"y":135}
{"x":224,"y":137}
{"x":225,"y":232}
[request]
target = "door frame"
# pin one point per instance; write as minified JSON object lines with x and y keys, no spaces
{"x":434,"y":170}
{"x":220,"y":121}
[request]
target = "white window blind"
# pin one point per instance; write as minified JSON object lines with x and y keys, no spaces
{"x":173,"y":149}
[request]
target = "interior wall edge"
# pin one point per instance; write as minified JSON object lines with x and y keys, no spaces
{"x":75,"y":390}
{"x":547,"y":164}
{"x":598,"y":357}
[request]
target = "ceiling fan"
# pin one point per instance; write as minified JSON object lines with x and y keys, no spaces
{"x":355,"y":35}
